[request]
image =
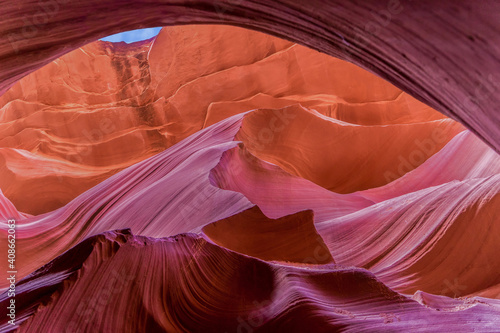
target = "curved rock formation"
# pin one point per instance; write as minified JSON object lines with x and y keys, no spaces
{"x":451,"y":65}
{"x":106,"y":106}
{"x":182,"y":185}
{"x":425,"y":239}
{"x":186,"y":284}
{"x":294,"y":139}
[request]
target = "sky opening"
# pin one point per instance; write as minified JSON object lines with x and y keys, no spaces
{"x":133,"y":35}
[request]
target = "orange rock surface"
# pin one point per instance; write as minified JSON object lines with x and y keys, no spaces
{"x":106,"y":106}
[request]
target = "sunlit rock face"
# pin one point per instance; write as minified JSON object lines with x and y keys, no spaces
{"x":217,"y":179}
{"x":445,"y":53}
{"x":106,"y":106}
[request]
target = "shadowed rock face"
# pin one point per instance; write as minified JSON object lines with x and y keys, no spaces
{"x":252,"y":233}
{"x":216,"y":179}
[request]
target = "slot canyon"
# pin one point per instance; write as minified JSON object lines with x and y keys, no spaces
{"x":256,"y":166}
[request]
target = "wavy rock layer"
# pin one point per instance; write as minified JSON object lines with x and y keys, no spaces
{"x":451,"y":64}
{"x":105,"y":106}
{"x":424,"y":220}
{"x":185,"y":186}
{"x":168,"y":284}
